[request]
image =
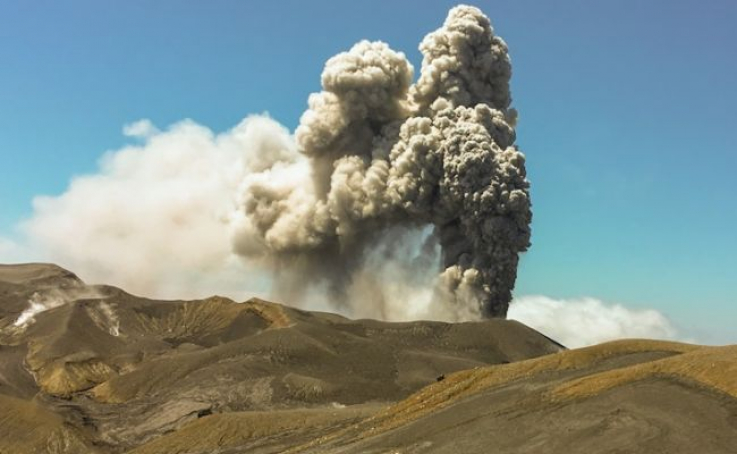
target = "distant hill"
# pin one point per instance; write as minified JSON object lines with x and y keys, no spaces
{"x":92,"y":369}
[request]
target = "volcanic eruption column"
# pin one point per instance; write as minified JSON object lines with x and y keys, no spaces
{"x":376,"y":152}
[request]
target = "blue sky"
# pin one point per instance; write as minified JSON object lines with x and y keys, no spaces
{"x":627,"y":117}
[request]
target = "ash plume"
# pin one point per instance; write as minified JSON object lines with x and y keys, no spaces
{"x":378,"y":156}
{"x":397,"y":197}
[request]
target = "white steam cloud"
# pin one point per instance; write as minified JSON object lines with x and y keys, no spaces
{"x":48,"y":299}
{"x":105,"y":316}
{"x":155,"y":219}
{"x":587,"y":321}
{"x":36,"y":305}
{"x":141,"y":129}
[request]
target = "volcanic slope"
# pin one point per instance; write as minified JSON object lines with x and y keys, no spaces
{"x":95,"y":369}
{"x":633,"y":396}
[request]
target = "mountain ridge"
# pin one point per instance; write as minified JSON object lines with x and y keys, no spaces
{"x":95,"y":369}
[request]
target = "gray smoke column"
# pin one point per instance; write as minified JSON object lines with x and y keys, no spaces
{"x":377,"y":155}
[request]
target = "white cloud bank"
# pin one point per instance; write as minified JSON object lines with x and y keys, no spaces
{"x":586,"y":321}
{"x":141,"y":129}
{"x":155,"y":218}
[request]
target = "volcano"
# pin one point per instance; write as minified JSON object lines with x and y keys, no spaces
{"x":93,"y":369}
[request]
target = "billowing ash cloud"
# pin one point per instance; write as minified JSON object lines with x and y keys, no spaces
{"x":377,"y":154}
{"x":392,"y":200}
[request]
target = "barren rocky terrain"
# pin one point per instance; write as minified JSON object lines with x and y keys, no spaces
{"x":93,"y":369}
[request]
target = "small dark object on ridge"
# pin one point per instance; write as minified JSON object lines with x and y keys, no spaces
{"x":440,"y":378}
